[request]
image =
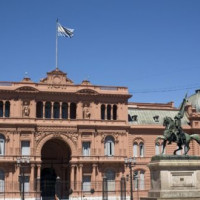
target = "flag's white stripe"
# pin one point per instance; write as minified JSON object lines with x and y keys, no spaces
{"x":63,"y":31}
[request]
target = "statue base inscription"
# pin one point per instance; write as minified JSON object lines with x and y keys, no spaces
{"x":174,"y":178}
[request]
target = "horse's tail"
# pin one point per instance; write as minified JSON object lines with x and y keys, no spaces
{"x":195,"y":137}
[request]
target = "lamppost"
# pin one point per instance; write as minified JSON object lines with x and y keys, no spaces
{"x":22,"y":163}
{"x":130,"y":162}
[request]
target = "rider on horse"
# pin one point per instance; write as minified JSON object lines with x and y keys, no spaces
{"x":177,"y":133}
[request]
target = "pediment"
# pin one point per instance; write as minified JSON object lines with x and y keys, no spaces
{"x":56,"y":77}
{"x":26,"y":89}
{"x":87,"y":92}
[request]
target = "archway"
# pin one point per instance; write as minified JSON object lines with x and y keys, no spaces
{"x":55,"y":171}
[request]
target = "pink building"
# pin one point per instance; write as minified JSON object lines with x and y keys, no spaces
{"x":65,"y":139}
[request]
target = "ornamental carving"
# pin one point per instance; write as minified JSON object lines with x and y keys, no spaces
{"x":115,"y":135}
{"x":26,"y":109}
{"x":86,"y":111}
{"x":73,"y":136}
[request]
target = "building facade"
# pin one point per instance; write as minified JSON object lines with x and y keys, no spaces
{"x":61,"y":139}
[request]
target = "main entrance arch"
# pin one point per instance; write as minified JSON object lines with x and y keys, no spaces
{"x":55,"y":170}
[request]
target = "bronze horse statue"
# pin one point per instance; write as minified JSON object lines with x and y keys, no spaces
{"x":171,"y":134}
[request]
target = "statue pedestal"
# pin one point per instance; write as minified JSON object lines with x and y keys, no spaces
{"x":174,"y":178}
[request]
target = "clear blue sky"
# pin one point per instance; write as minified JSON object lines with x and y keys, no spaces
{"x":146,"y":45}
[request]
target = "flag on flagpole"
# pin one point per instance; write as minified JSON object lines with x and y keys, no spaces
{"x":66,"y":32}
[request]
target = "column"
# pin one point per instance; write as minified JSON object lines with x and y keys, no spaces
{"x":93,"y":185}
{"x":106,"y":112}
{"x":4,"y":102}
{"x":38,"y":180}
{"x":43,"y":104}
{"x":72,"y":181}
{"x":60,"y":113}
{"x":52,"y":110}
{"x":38,"y":170}
{"x":32,"y":180}
{"x":80,"y":176}
{"x":68,"y":116}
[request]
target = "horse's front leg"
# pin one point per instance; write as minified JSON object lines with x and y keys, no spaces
{"x":164,"y":145}
{"x":179,"y":148}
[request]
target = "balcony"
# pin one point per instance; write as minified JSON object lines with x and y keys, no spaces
{"x":99,"y":159}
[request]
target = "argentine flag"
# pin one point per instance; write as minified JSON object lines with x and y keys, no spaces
{"x":66,"y":32}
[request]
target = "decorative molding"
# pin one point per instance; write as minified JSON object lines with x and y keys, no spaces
{"x":115,"y":135}
{"x":27,"y":89}
{"x":73,"y":136}
{"x":138,"y":140}
{"x":87,"y":92}
{"x":56,"y":129}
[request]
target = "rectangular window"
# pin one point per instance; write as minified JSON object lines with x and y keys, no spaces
{"x":86,"y":149}
{"x":1,"y":147}
{"x":86,"y":183}
{"x":25,"y":148}
{"x":26,"y":184}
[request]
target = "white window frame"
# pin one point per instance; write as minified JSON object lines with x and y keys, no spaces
{"x":141,"y":148}
{"x":86,"y":184}
{"x":25,"y":148}
{"x":86,"y":148}
{"x":110,"y":175}
{"x":135,"y":149}
{"x":157,"y":148}
{"x":2,"y":181}
{"x":26,"y":184}
{"x":109,"y":146}
{"x":2,"y":145}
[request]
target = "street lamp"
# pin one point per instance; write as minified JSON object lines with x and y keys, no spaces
{"x":130,"y":162}
{"x":22,"y":163}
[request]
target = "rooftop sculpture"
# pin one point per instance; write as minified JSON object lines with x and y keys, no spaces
{"x":174,"y":133}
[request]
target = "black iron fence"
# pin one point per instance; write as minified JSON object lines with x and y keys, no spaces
{"x":106,"y":189}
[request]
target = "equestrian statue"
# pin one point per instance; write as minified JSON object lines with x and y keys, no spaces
{"x":174,"y":133}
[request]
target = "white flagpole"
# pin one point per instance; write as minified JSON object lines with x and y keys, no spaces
{"x":57,"y":44}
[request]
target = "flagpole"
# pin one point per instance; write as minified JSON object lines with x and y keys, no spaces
{"x":57,"y":44}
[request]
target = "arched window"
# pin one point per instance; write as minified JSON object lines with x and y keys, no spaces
{"x":141,"y":146}
{"x":135,"y":147}
{"x":109,"y":146}
{"x":39,"y":109}
{"x":135,"y":179}
{"x":48,"y":110}
{"x":109,"y":112}
{"x":157,"y":148}
{"x":115,"y":112}
{"x":64,"y":110}
{"x":1,"y":108}
{"x":2,"y":180}
{"x":7,"y":109}
{"x":72,"y":111}
{"x":2,"y":145}
{"x":56,"y":110}
{"x":139,"y":181}
{"x":103,"y":112}
{"x":110,"y":175}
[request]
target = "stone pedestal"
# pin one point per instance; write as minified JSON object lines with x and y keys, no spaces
{"x":174,"y":178}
